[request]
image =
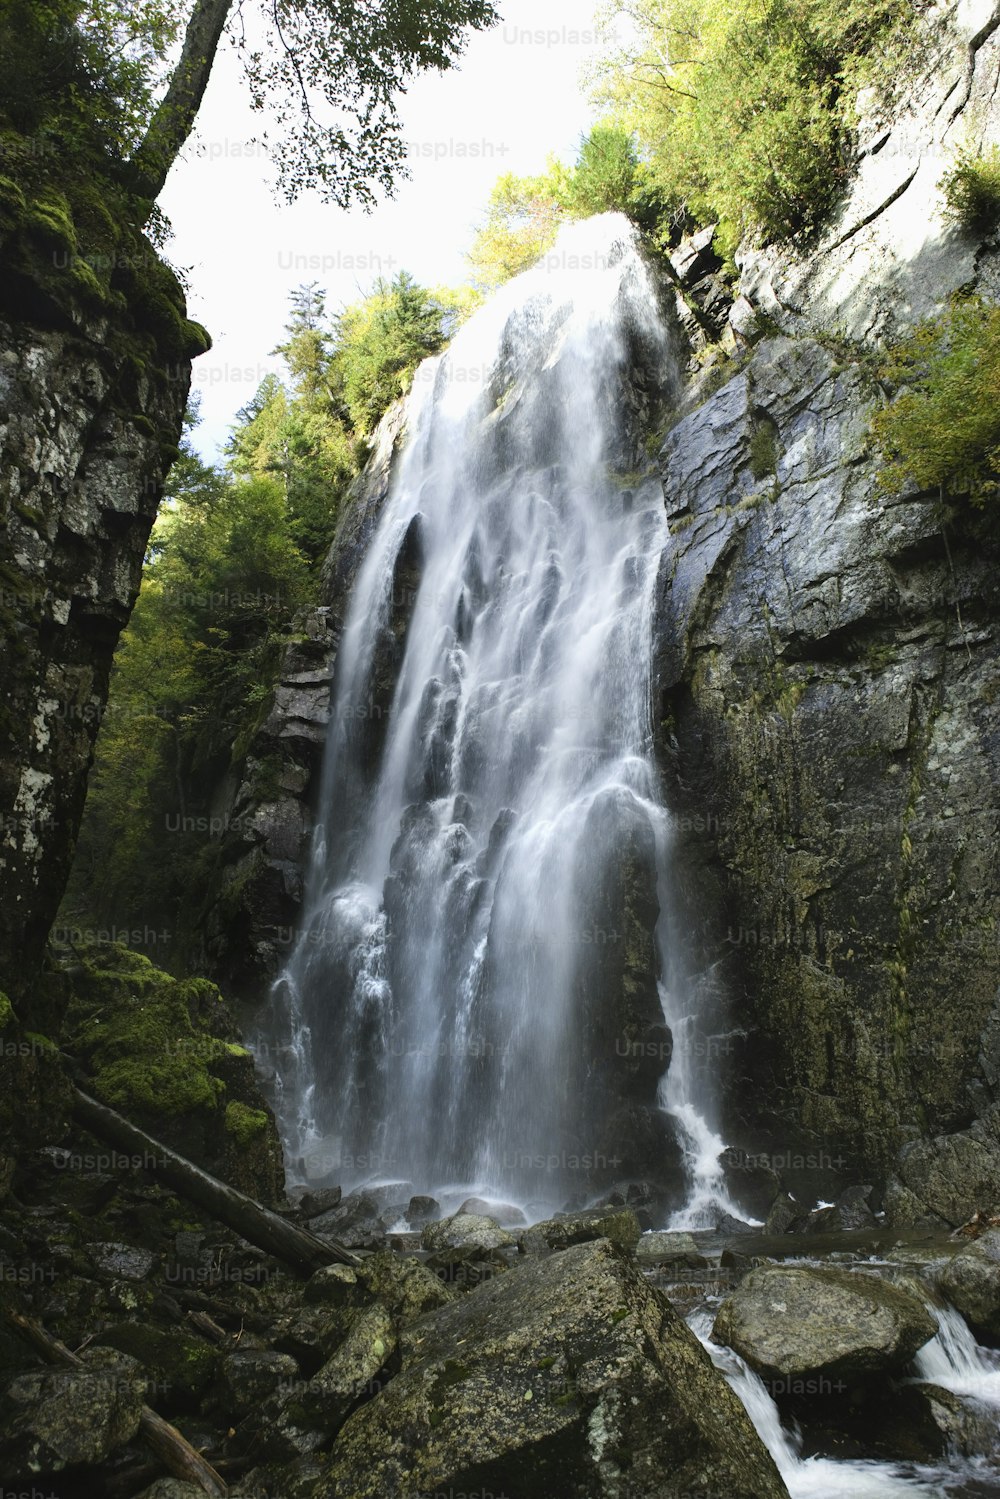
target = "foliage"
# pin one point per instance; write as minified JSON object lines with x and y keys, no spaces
{"x":80,"y":78}
{"x":524,"y":213}
{"x":521,"y":223}
{"x":972,"y":190}
{"x":942,"y":432}
{"x":143,"y":1036}
{"x":329,"y":76}
{"x":742,"y":112}
{"x":379,"y":343}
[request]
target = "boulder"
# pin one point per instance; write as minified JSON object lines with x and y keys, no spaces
{"x":181,"y":1366}
{"x":421,"y":1210}
{"x":299,"y":1418}
{"x":956,"y":1175}
{"x":971,"y":1282}
{"x":782,"y":1214}
{"x":507,"y":1214}
{"x":620,"y":1225}
{"x":249,"y":1375}
{"x":60,"y":1418}
{"x":670,"y":1249}
{"x":465,"y":1231}
{"x":404,"y":1285}
{"x":796,"y":1322}
{"x":570,"y":1376}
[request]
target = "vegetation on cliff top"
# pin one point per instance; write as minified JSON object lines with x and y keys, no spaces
{"x":736,"y":114}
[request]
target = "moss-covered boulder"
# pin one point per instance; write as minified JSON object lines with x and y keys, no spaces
{"x":165,"y":1052}
{"x":62,"y":1418}
{"x":180,"y":1366}
{"x":570,"y":1375}
{"x":620,"y":1225}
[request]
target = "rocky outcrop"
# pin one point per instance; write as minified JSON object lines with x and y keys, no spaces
{"x":826,"y":684}
{"x":93,"y":383}
{"x":889,"y":257}
{"x":265,"y":811}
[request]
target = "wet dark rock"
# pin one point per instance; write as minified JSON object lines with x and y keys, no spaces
{"x":670,"y":1250}
{"x":248,"y":1376}
{"x":734,"y":1227}
{"x":971,"y":1282}
{"x":180,"y":1365}
{"x":421,"y":1210}
{"x":60,"y":1418}
{"x":752,"y":1183}
{"x":797,"y":1322}
{"x":610,"y":1370}
{"x":782,"y":1214}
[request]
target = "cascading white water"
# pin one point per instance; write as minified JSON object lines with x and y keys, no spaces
{"x":433,"y":1017}
{"x":952,"y":1359}
{"x":957,"y":1362}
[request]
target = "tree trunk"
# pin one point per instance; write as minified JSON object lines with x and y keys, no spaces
{"x":301,"y":1250}
{"x":174,"y":118}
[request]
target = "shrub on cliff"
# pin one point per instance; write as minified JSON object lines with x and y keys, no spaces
{"x":942,"y":430}
{"x":972,"y":190}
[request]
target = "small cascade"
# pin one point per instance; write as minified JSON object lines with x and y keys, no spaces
{"x":826,"y":1477}
{"x":956,"y":1361}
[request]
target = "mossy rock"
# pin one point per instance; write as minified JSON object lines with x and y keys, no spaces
{"x":182,"y":1366}
{"x":245,"y":1125}
{"x":164,"y":1052}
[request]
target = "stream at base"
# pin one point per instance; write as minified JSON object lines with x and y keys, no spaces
{"x":952,"y":1360}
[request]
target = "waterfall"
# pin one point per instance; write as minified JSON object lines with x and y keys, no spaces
{"x":954,"y":1360}
{"x":488,"y":974}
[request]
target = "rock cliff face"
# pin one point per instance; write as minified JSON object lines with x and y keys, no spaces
{"x":828,"y":676}
{"x":91,"y":402}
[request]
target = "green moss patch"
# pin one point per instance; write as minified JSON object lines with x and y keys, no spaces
{"x":144,"y":1035}
{"x":245,"y":1124}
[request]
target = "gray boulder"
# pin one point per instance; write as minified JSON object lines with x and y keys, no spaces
{"x":465,"y":1231}
{"x":793,"y":1322}
{"x":971,"y":1282}
{"x":570,"y":1375}
{"x":620,"y":1225}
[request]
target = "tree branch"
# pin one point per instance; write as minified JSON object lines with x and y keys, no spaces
{"x":174,"y":118}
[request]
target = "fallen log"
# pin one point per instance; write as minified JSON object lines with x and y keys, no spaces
{"x":165,"y":1441}
{"x":297,"y":1247}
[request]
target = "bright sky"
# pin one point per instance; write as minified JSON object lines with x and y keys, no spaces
{"x":515,"y":98}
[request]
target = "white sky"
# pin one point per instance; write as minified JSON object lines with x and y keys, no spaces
{"x":515,"y":98}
